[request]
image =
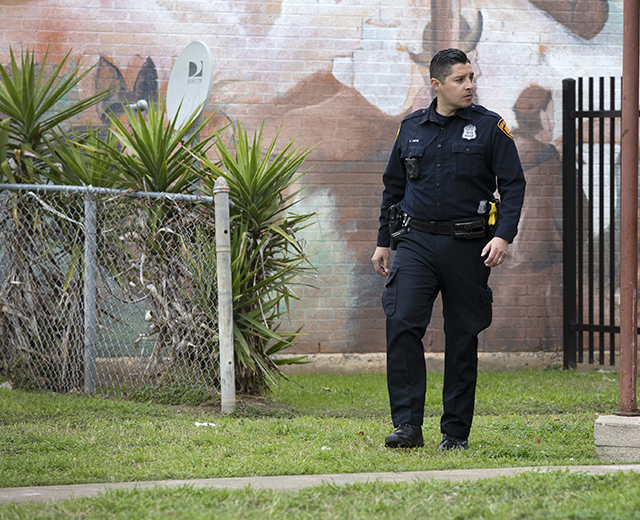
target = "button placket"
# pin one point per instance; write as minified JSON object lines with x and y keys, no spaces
{"x":439,"y":169}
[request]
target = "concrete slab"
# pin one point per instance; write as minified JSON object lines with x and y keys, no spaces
{"x":22,"y":495}
{"x":617,"y":438}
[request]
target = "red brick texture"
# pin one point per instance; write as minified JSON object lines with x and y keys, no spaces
{"x":341,"y":75}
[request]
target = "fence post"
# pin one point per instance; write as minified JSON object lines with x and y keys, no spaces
{"x":90,"y":291}
{"x":629,"y":213}
{"x":225,"y":297}
{"x":569,"y":221}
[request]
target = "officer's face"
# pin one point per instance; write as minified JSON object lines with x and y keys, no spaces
{"x":456,"y":91}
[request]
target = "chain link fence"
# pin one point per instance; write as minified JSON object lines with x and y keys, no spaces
{"x":108,"y":291}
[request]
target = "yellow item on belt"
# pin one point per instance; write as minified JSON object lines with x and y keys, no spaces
{"x":492,"y":214}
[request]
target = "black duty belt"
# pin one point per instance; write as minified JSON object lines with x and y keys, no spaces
{"x":463,"y":228}
{"x":435,"y":227}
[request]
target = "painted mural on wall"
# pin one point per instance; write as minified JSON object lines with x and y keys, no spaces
{"x":341,"y":75}
{"x":109,"y":77}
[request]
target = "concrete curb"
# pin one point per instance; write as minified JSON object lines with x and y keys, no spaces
{"x":349,"y":363}
{"x":617,"y":438}
{"x":23,"y":495}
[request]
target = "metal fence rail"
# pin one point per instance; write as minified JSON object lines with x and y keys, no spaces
{"x":110,"y":291}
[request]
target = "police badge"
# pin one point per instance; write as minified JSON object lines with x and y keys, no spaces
{"x":469,"y":132}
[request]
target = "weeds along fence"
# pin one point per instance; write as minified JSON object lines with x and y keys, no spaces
{"x":109,"y":291}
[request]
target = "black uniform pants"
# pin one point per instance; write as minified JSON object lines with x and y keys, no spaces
{"x":424,"y":266}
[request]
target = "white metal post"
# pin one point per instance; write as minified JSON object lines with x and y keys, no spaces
{"x":90,"y":291}
{"x":225,"y":297}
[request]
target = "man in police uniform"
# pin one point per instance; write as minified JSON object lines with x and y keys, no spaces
{"x":449,"y":231}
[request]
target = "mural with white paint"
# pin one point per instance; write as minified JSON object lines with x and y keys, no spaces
{"x":341,"y":75}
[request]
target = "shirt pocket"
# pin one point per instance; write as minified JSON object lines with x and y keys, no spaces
{"x":412,"y":150}
{"x":469,"y":160}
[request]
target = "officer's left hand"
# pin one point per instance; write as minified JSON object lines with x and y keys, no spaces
{"x":495,"y":252}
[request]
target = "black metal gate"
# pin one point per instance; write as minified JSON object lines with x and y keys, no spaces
{"x":591,"y":219}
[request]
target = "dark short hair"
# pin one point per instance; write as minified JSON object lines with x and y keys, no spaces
{"x":441,"y":63}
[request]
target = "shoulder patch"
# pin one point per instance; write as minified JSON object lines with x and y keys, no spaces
{"x":502,"y":125}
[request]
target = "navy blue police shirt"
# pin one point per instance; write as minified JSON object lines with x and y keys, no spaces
{"x":461,"y":161}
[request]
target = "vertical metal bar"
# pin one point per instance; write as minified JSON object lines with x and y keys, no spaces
{"x":225,"y":297}
{"x":590,"y":233}
{"x":612,"y":223}
{"x":629,"y":211}
{"x":580,"y":239}
{"x":601,"y":239}
{"x":569,"y":220}
{"x":90,"y":291}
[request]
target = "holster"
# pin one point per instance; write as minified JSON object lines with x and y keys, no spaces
{"x":397,"y":220}
{"x":489,"y":210}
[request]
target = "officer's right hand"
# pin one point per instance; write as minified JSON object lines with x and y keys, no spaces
{"x":381,"y":259}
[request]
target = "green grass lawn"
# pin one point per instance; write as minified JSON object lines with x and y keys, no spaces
{"x":317,"y":424}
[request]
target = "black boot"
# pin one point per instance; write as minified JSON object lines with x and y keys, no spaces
{"x":406,"y":436}
{"x":449,"y":442}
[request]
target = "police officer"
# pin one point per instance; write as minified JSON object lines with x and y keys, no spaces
{"x":445,"y":166}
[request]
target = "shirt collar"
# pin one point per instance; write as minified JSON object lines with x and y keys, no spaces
{"x":430,"y":113}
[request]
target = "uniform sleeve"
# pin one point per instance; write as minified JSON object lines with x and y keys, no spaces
{"x":511,"y":183}
{"x":394,"y":180}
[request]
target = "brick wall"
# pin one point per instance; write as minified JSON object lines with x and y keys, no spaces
{"x":341,"y":74}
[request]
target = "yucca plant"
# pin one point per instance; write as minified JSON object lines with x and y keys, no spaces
{"x":40,"y":304}
{"x":34,"y":105}
{"x":80,"y":159}
{"x":146,"y":247}
{"x":155,"y":155}
{"x":267,"y":250}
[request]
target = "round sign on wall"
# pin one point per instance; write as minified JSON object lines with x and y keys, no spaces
{"x":190,"y":82}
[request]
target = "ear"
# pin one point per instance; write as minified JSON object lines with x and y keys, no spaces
{"x":435,"y":84}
